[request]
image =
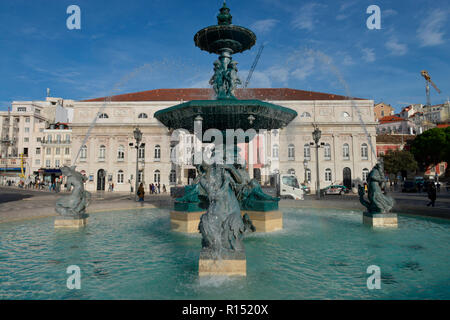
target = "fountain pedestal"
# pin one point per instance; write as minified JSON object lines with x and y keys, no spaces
{"x":185,"y":221}
{"x":234,"y":264}
{"x":388,"y":220}
{"x":266,"y":221}
{"x":71,"y":222}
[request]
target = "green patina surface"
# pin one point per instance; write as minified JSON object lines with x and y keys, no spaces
{"x":259,"y":205}
{"x":226,"y":114}
{"x":188,"y":207}
{"x":263,"y":206}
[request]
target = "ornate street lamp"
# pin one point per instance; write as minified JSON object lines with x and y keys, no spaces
{"x":316,"y":137}
{"x":138,"y":137}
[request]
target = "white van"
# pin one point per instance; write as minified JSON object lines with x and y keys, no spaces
{"x":288,"y":187}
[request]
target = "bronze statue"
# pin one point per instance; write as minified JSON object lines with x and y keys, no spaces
{"x":378,"y":202}
{"x":222,"y":226}
{"x":75,"y":204}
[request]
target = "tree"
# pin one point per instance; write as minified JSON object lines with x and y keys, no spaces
{"x":432,"y":147}
{"x":399,"y":161}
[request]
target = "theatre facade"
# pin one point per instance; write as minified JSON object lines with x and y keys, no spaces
{"x":109,"y":155}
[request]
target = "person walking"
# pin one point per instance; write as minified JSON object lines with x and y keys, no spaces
{"x":141,"y":192}
{"x":164,"y":188}
{"x":112,"y":187}
{"x":431,"y":194}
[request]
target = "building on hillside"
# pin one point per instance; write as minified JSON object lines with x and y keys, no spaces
{"x":382,"y":110}
{"x":438,"y":113}
{"x":109,"y":155}
{"x":389,"y":142}
{"x":396,"y":125}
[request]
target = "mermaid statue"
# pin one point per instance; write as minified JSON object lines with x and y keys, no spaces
{"x":378,"y":202}
{"x":222,"y":226}
{"x":75,"y":204}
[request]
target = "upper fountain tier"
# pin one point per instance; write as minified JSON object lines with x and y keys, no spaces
{"x":225,"y":35}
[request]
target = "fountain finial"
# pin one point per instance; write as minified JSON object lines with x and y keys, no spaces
{"x":224,"y":17}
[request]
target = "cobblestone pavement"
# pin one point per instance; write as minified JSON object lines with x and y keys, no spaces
{"x":21,"y":204}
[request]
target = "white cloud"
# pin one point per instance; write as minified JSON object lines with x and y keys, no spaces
{"x":278,"y":73}
{"x":305,"y":19}
{"x":264,"y":26}
{"x":388,"y":13}
{"x":305,"y":70}
{"x":347,"y":4}
{"x":430,"y":31}
{"x":369,"y":54}
{"x":347,"y":60}
{"x":259,"y":79}
{"x":396,"y":48}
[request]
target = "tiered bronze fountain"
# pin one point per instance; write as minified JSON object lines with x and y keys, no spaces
{"x":234,"y":203}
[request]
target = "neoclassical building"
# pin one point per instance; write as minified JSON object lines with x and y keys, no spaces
{"x":108,"y":156}
{"x":105,"y":150}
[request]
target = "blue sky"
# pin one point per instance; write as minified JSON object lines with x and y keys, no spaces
{"x":135,"y":45}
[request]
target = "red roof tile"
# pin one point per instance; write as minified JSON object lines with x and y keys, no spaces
{"x":390,"y":119}
{"x":208,"y":94}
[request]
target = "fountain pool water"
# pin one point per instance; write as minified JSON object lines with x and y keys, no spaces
{"x":320,"y":254}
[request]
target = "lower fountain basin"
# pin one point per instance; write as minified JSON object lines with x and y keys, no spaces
{"x":319,"y":254}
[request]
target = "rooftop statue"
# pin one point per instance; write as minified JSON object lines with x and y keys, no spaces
{"x":75,"y":204}
{"x":378,"y":202}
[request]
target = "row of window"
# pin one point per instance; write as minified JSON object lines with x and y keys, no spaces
{"x":156,"y":176}
{"x":327,"y":151}
{"x":328,"y":174}
{"x":344,"y":115}
{"x":48,"y":163}
{"x":48,"y":151}
{"x":121,"y":153}
{"x":105,"y":116}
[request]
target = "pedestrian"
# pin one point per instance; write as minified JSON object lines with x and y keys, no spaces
{"x":431,"y":194}
{"x":159,"y":187}
{"x":141,"y":192}
{"x":164,"y":188}
{"x":438,"y":187}
{"x":112,"y":187}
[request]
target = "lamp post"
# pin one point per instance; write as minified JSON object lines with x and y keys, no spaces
{"x":138,"y":137}
{"x":316,"y":137}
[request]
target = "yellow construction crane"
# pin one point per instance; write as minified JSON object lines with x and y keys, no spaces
{"x":427,"y":77}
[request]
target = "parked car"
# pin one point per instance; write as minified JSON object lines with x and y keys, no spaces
{"x":409,"y":186}
{"x":335,"y":189}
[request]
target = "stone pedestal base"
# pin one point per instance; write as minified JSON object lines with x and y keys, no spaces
{"x":266,"y":221}
{"x":226,"y":266}
{"x":185,"y":221}
{"x":388,"y":220}
{"x":70,"y":222}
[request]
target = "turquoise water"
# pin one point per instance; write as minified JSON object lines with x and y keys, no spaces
{"x":320,"y":254}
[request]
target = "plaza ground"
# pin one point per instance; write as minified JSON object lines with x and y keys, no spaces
{"x":21,"y":204}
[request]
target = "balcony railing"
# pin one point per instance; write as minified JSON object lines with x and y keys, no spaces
{"x":55,"y":142}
